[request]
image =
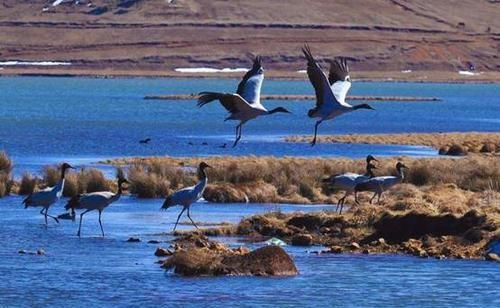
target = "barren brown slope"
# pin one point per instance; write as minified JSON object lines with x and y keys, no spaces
{"x":153,"y":37}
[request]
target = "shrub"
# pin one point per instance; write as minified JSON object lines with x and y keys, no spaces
{"x":28,"y":184}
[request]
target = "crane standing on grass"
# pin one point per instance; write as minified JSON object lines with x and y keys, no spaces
{"x":187,"y":196}
{"x":245,"y":104}
{"x":48,"y":196}
{"x":331,"y":92}
{"x":381,"y":183}
{"x":347,"y":181}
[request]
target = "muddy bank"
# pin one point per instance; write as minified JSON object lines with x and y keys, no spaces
{"x":195,"y":255}
{"x":447,"y":143}
{"x":375,"y":230}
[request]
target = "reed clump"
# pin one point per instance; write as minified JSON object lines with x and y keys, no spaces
{"x":6,"y":182}
{"x":27,"y":184}
{"x":298,"y":180}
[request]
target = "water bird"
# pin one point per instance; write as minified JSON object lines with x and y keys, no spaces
{"x":145,"y":141}
{"x":223,"y":146}
{"x":244,"y":105}
{"x":48,"y":196}
{"x":95,"y":201}
{"x":330,"y":92}
{"x":347,"y":181}
{"x":381,"y":183}
{"x":187,"y":196}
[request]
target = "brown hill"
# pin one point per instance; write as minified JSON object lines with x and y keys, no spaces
{"x":153,"y":37}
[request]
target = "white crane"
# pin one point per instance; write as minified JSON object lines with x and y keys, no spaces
{"x":94,"y":201}
{"x":48,"y":196}
{"x":245,"y":104}
{"x":186,"y":196}
{"x":381,"y":183}
{"x":331,"y":92}
{"x":347,"y":181}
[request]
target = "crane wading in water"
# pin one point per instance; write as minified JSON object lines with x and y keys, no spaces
{"x":187,"y":196}
{"x":245,"y":104}
{"x":94,"y":201}
{"x":330,"y":92}
{"x":48,"y":196}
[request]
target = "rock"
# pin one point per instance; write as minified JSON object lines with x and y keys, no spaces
{"x":265,"y":261}
{"x":400,"y":228}
{"x":40,"y":252}
{"x":488,"y":148}
{"x":366,"y":251}
{"x":153,"y":242}
{"x":335,"y":249}
{"x":440,"y":257}
{"x":474,"y":235}
{"x":355,"y":246}
{"x":302,"y":240}
{"x":381,"y":241}
{"x":456,"y":150}
{"x":241,"y":250}
{"x":492,"y":257}
{"x":162,"y":252}
{"x":308,"y":222}
{"x":133,"y":240}
{"x":22,"y":252}
{"x":423,"y":254}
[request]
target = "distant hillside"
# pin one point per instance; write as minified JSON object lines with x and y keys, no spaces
{"x":153,"y":37}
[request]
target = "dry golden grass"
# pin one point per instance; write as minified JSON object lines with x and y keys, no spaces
{"x":5,"y":174}
{"x":470,"y":142}
{"x":298,"y":180}
{"x":84,"y":181}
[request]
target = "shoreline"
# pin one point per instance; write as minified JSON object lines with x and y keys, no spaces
{"x":304,"y":97}
{"x":475,"y":142}
{"x":446,"y":77}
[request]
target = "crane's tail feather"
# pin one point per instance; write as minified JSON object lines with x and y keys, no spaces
{"x":312,"y":112}
{"x":207,"y":97}
{"x":167,"y":203}
{"x":73,"y":202}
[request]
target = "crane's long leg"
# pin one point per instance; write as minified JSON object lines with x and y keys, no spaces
{"x":81,"y":218}
{"x":178,"y":217}
{"x":356,"y":197}
{"x":191,"y":219}
{"x":373,"y":197}
{"x":44,"y":214}
{"x":379,"y":195}
{"x":315,"y":132}
{"x":100,"y":223}
{"x":238,"y":135}
{"x":341,"y":203}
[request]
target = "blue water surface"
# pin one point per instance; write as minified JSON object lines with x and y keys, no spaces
{"x":95,"y":271}
{"x":46,"y":120}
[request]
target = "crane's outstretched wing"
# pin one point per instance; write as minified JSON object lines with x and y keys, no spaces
{"x":233,"y":103}
{"x":324,"y":95}
{"x":249,"y":87}
{"x":339,"y":79}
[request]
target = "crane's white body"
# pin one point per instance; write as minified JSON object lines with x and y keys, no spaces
{"x":189,"y":195}
{"x":45,"y":198}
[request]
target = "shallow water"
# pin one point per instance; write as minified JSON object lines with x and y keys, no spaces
{"x":46,"y":120}
{"x":109,"y":271}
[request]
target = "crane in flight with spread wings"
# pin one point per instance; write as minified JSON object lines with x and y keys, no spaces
{"x":244,"y":105}
{"x":330,"y":92}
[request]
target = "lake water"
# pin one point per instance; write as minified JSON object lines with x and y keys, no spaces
{"x":47,"y":120}
{"x":95,"y":271}
{"x":83,"y":120}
